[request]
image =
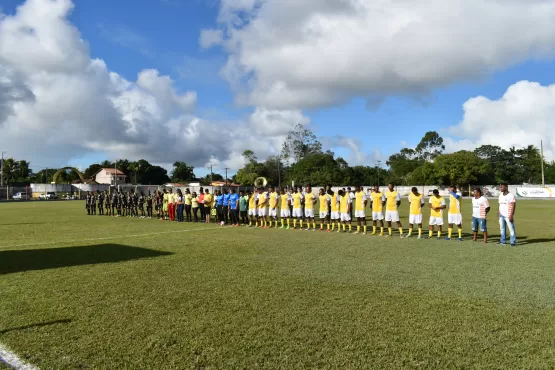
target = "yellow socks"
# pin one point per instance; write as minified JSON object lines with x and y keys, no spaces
{"x":358,"y":229}
{"x":294,"y":223}
{"x":431,"y":233}
{"x":374,"y":229}
{"x":419,"y":231}
{"x":288,"y":223}
{"x":401,"y":231}
{"x":439,"y":234}
{"x":381,"y":230}
{"x":460,"y":233}
{"x":365,"y":229}
{"x":321,"y":225}
{"x":350,"y":227}
{"x":282,"y":222}
{"x":270,"y":223}
{"x":410,"y":231}
{"x":314,"y":225}
{"x":250,"y":223}
{"x":301,"y":222}
{"x":389,"y":231}
{"x":344,"y":227}
{"x":329,"y":226}
{"x":449,"y":232}
{"x":332,"y":226}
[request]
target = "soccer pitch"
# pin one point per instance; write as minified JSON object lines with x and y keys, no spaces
{"x":99,"y":292}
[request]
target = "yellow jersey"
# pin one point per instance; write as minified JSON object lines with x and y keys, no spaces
{"x":166,"y":198}
{"x":334,"y":203}
{"x":208,"y":200}
{"x":309,"y":199}
{"x":297,"y":198}
{"x":377,"y":201}
{"x":284,"y":201}
{"x":262,"y":200}
{"x":416,"y":202}
{"x":252,"y":202}
{"x":436,"y":202}
{"x":194,"y":202}
{"x":454,"y":205}
{"x":344,"y":202}
{"x":360,"y":199}
{"x":324,"y":199}
{"x":274,"y":200}
{"x":188,"y":198}
{"x":392,"y":199}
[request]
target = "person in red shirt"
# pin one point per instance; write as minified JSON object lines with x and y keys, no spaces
{"x":201,"y":205}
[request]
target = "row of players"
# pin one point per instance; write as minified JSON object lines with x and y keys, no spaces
{"x":260,"y":209}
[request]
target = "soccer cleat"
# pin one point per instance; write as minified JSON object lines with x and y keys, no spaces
{"x":321,"y":229}
{"x":419,"y":236}
{"x":499,"y":243}
{"x":364,"y":233}
{"x":374,"y":233}
{"x":357,"y":232}
{"x":460,"y":239}
{"x":328,"y":231}
{"x":381,"y":234}
{"x":287,"y":228}
{"x":513,"y":244}
{"x":282,"y":227}
{"x":447,"y":238}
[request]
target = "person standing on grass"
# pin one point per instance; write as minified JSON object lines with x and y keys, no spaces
{"x":93,"y":203}
{"x":324,"y":200}
{"x":454,"y":216}
{"x":345,"y":203}
{"x":225,"y":206}
{"x":88,"y":202}
{"x":309,"y":202}
{"x":149,"y":204}
{"x":115,"y":211}
{"x":219,"y":206}
{"x":252,"y":209}
{"x":285,"y":211}
{"x":195,"y":206}
{"x":378,"y":202}
{"x":243,"y":208}
{"x":187,"y":200}
{"x":297,"y":200}
{"x":393,"y":201}
{"x":506,"y":213}
{"x":107,"y":203}
{"x":360,"y":209}
{"x":100,"y":197}
{"x":273,"y":206}
{"x":437,"y":205}
{"x":165,"y":205}
{"x":179,"y":210}
{"x":207,"y":205}
{"x":201,"y":204}
{"x":416,"y":202}
{"x":480,"y":209}
{"x":142,"y":204}
{"x":351,"y":194}
{"x":262,"y":204}
{"x":335,"y":216}
{"x":233,"y":208}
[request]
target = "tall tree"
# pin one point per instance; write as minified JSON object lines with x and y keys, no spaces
{"x":430,"y":146}
{"x":300,"y":143}
{"x":250,"y":171}
{"x":460,"y":168}
{"x":92,"y":170}
{"x":182,"y":172}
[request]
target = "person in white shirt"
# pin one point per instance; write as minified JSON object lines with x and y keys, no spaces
{"x":506,"y":212}
{"x":480,"y":209}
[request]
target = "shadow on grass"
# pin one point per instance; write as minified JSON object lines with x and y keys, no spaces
{"x":42,"y":259}
{"x":40,"y":324}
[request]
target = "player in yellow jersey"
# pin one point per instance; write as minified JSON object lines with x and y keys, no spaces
{"x":252,"y":208}
{"x":309,"y":202}
{"x":416,"y":201}
{"x":285,"y":213}
{"x":360,"y":208}
{"x":325,"y":201}
{"x":297,"y":198}
{"x":273,"y":203}
{"x":335,"y":217}
{"x":262,"y":204}
{"x":393,"y":201}
{"x":166,"y":201}
{"x":345,"y":209}
{"x":437,"y":205}
{"x":454,"y":216}
{"x":378,"y":202}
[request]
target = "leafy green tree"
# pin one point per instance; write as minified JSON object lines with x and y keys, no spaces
{"x":300,"y":143}
{"x":317,"y":169}
{"x":460,"y":168}
{"x":182,"y":172}
{"x":430,"y":146}
{"x":250,"y":171}
{"x":92,"y":170}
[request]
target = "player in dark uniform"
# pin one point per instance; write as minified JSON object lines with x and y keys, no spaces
{"x":123,"y":202}
{"x":129,"y":203}
{"x":100,"y":197}
{"x":107,"y":204}
{"x":149,"y":205}
{"x":88,"y":202}
{"x":142,"y":205}
{"x":93,"y":203}
{"x":159,"y":200}
{"x":135,"y":203}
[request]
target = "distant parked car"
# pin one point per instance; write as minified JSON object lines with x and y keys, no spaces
{"x":49,"y":195}
{"x":18,"y":196}
{"x":70,"y":197}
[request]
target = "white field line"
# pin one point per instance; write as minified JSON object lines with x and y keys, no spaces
{"x":12,"y":360}
{"x":111,"y":237}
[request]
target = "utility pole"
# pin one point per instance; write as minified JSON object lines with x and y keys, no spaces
{"x":2,"y":174}
{"x":211,"y":174}
{"x":226,"y":175}
{"x":541,"y":154}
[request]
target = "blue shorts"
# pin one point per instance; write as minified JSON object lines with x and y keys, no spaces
{"x":479,"y":222}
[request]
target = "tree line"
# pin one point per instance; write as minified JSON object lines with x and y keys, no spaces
{"x":302,"y":160}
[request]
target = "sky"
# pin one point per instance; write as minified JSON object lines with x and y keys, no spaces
{"x":200,"y":81}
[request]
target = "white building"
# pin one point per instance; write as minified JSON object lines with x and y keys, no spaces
{"x":110,"y":176}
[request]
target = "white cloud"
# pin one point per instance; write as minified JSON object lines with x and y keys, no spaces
{"x":288,"y":54}
{"x":56,"y":103}
{"x":209,"y":38}
{"x":523,"y":116}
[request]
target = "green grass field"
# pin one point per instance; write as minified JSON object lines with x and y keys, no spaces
{"x":91,"y":292}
